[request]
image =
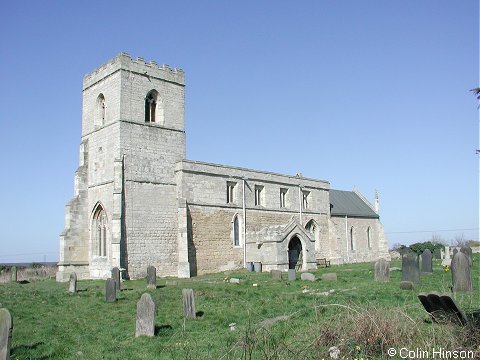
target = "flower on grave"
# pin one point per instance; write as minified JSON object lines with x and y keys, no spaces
{"x":446,"y":268}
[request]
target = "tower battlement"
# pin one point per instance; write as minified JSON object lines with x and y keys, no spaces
{"x":124,"y":61}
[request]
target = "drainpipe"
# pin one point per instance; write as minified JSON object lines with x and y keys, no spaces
{"x":244,"y":228}
{"x":300,"y":202}
{"x":346,"y":236}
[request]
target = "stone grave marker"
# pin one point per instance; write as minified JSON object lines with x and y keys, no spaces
{"x":110,"y":290}
{"x":188,"y":298}
{"x":6,"y":327}
{"x":427,"y":261}
{"x":467,"y":250}
{"x":72,"y":285}
{"x":461,"y":273}
{"x":257,"y":266}
{"x":276,"y":274}
{"x":382,"y":270}
{"x":234,"y":281}
{"x":116,"y":277}
{"x":407,"y":285}
{"x":454,"y":252}
{"x":145,"y":324}
{"x":151,"y":277}
{"x":437,"y":254}
{"x":13,"y":271}
{"x":410,"y":267}
{"x":329,"y":277}
{"x":292,"y":275}
{"x":307,"y":277}
{"x":442,"y":308}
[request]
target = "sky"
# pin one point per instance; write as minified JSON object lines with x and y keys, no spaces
{"x":366,"y":94}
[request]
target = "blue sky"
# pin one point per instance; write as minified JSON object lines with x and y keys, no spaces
{"x":371,"y":94}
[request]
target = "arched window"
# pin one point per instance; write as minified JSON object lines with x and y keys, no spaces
{"x":236,"y":231}
{"x":151,"y":106}
{"x":100,"y":228}
{"x":100,"y":111}
{"x":352,"y":240}
{"x":310,"y":226}
{"x":369,"y":237}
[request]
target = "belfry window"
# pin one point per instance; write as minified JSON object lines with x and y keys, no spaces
{"x":100,"y":234}
{"x":150,"y":106}
{"x":100,"y":112}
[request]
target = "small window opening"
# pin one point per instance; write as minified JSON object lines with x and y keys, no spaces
{"x":150,"y":106}
{"x":369,"y":237}
{"x":230,"y":192}
{"x":236,"y":232}
{"x":352,"y":240}
{"x":258,"y":195}
{"x":283,"y":196}
{"x":305,"y":196}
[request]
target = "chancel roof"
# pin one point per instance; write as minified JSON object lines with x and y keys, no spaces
{"x":348,"y":203}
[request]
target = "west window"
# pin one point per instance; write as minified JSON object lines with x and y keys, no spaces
{"x":231,"y":192}
{"x":100,"y":235}
{"x":283,"y":197}
{"x":305,"y":198}
{"x":258,"y":195}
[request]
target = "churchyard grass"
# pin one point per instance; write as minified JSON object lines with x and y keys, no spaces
{"x":277,"y":319}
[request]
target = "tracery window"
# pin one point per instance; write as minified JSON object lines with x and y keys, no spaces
{"x":100,"y":226}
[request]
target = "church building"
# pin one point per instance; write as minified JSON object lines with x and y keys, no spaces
{"x":138,"y":202}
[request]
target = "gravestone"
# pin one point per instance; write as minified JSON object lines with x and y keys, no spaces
{"x":329,"y":277}
{"x":382,"y":270}
{"x":145,"y":324}
{"x":427,"y":261}
{"x":307,"y":277}
{"x":110,"y":290}
{"x":454,"y":252}
{"x":292,"y":275}
{"x":437,"y":254}
{"x":406,"y":285}
{"x":461,"y":273}
{"x":116,"y":277}
{"x":276,"y":274}
{"x":188,"y":298}
{"x":447,"y":252}
{"x":234,"y":281}
{"x":257,"y":266}
{"x":6,"y":327}
{"x":467,"y":250}
{"x":442,"y":254}
{"x":72,"y":286}
{"x":410,"y":267}
{"x":151,"y":277}
{"x":442,"y":308}
{"x":13,"y":271}
{"x":250,"y":266}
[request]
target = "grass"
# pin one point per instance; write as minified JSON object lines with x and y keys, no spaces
{"x":361,"y":317}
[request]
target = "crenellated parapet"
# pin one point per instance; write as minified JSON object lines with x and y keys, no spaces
{"x":138,"y":66}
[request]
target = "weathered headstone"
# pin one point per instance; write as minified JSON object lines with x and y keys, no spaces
{"x":110,"y":290}
{"x":72,"y":285}
{"x":329,"y":277}
{"x":145,"y":324}
{"x":442,"y":254}
{"x":276,"y":274}
{"x":382,"y":270}
{"x":461,"y":273}
{"x":410,"y":267}
{"x":116,"y":277}
{"x":437,"y":254}
{"x":467,"y":250}
{"x":188,"y":298}
{"x":447,"y":252}
{"x":257,"y":266}
{"x":234,"y":281}
{"x":407,"y":285}
{"x":292,"y":275}
{"x":455,"y":250}
{"x":442,"y":308}
{"x":427,"y":261}
{"x":6,"y":327}
{"x":250,"y":266}
{"x":13,"y":271}
{"x":151,"y":277}
{"x":307,"y":277}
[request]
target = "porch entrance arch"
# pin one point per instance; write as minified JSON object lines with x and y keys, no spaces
{"x":295,"y":258}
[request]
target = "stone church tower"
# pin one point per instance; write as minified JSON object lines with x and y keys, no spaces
{"x":124,"y":208}
{"x":138,"y":202}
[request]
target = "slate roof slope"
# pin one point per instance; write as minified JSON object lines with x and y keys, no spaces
{"x":348,"y":203}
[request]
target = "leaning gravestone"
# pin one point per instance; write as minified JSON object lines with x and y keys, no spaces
{"x":292,"y":275}
{"x":442,"y":308}
{"x":188,"y":298}
{"x":116,"y":277}
{"x":467,"y":250}
{"x":151,"y":277}
{"x":13,"y":270}
{"x":382,"y":270}
{"x":110,"y":290}
{"x":145,"y":325}
{"x":276,"y":274}
{"x":410,"y":267}
{"x":307,"y":277}
{"x":461,"y":273}
{"x":72,"y":286}
{"x":6,"y":327}
{"x":427,"y":261}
